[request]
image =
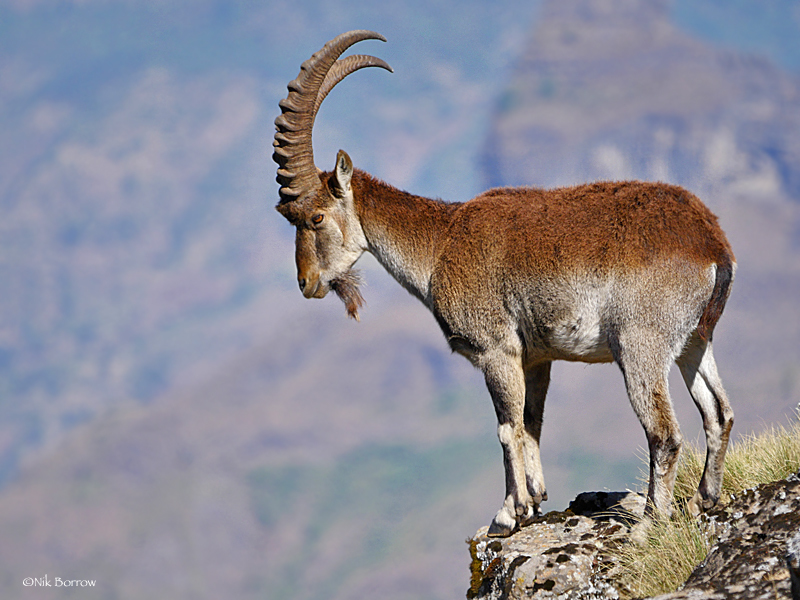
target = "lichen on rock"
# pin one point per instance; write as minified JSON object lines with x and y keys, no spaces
{"x":570,"y":555}
{"x":561,"y":555}
{"x":752,"y":557}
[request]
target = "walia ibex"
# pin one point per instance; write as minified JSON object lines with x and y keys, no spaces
{"x":630,"y":272}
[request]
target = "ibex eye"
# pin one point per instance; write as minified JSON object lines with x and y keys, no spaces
{"x":317,"y":219}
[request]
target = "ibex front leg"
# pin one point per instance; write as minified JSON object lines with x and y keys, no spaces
{"x":506,"y":382}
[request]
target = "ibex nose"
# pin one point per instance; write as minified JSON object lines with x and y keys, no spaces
{"x":302,"y":283}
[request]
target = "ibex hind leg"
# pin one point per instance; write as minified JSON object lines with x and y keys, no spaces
{"x":537,"y":380}
{"x":645,"y":357}
{"x":699,"y":371}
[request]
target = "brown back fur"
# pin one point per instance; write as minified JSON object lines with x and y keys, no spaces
{"x":599,"y":225}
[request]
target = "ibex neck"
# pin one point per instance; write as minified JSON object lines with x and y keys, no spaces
{"x":403,"y":231}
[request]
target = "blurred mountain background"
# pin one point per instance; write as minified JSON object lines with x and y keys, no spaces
{"x":177,"y":422}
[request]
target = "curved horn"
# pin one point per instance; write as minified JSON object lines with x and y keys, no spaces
{"x":342,"y":68}
{"x":293,"y":149}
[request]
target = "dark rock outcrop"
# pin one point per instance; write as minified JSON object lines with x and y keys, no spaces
{"x":569,"y":555}
{"x":756,"y":552}
{"x":562,"y":555}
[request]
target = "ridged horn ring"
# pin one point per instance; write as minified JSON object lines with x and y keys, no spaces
{"x":292,"y":146}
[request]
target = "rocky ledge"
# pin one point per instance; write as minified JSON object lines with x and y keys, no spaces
{"x":569,"y":555}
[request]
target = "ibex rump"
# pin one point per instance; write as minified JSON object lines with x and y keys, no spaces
{"x":634,"y":273}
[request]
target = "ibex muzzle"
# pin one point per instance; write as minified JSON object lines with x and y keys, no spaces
{"x":630,"y":272}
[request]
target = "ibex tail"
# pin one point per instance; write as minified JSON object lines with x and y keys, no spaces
{"x":725,"y":271}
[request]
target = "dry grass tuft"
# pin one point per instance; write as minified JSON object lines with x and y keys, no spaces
{"x":668,"y":555}
{"x":752,"y":460}
{"x":673,"y":548}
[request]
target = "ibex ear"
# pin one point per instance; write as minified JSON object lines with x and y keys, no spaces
{"x":342,"y":174}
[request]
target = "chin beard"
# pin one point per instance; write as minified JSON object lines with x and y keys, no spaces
{"x":347,"y":288}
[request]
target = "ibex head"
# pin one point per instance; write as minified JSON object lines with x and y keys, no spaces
{"x":320,"y":205}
